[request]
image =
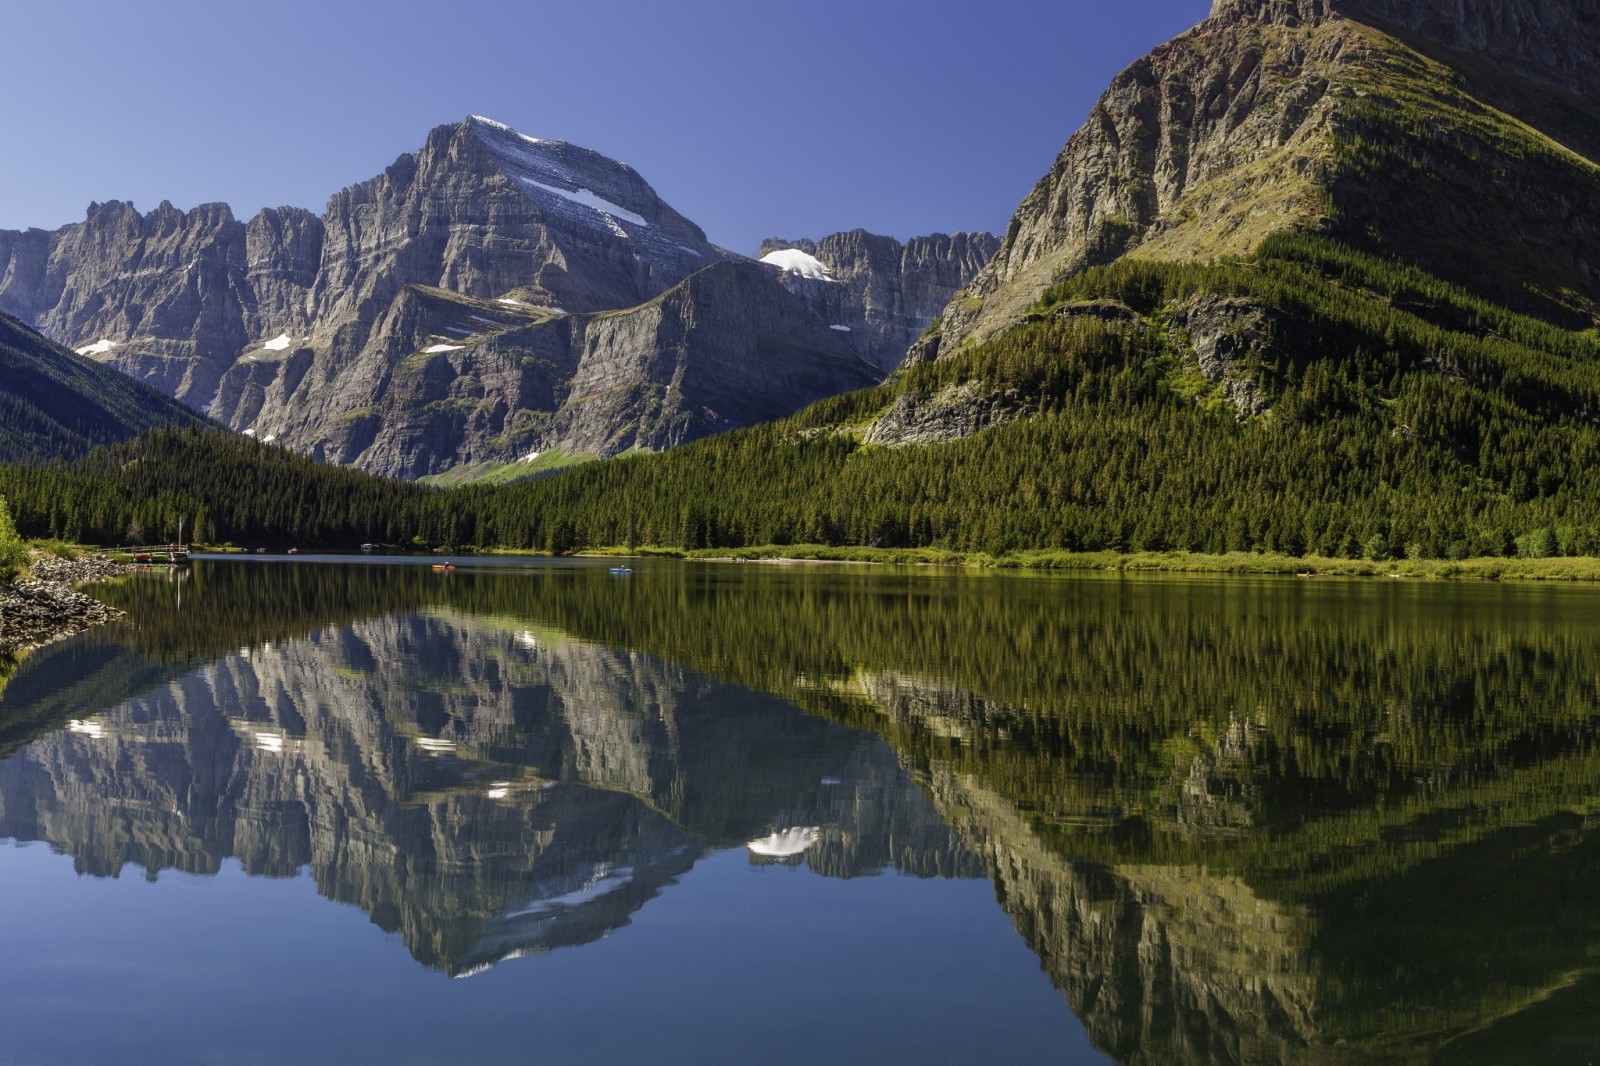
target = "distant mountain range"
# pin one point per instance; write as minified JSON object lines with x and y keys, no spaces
{"x":491,"y":303}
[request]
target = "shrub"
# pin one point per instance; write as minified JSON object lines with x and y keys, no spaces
{"x":13,"y":552}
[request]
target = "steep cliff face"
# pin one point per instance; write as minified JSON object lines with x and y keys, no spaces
{"x":727,"y":348}
{"x":444,"y":380}
{"x":161,"y":295}
{"x":1371,"y":120}
{"x":880,"y":294}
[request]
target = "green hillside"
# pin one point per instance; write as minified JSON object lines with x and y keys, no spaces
{"x":55,"y":404}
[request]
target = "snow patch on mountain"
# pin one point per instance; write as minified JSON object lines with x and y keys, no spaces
{"x":99,"y":347}
{"x":589,"y":200}
{"x":794,"y":261}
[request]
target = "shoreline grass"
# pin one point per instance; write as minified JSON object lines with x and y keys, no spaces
{"x":1565,"y":569}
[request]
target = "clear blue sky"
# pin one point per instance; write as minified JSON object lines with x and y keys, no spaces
{"x":752,"y":117}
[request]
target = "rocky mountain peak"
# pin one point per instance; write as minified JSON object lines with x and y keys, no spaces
{"x":1553,"y":41}
{"x":1276,"y":12}
{"x":579,"y":183}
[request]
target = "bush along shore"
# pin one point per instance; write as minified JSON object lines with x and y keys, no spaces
{"x":42,"y":606}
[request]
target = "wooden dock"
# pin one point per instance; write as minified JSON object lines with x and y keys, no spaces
{"x":171,"y":554}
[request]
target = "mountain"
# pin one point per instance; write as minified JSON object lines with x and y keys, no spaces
{"x":445,"y":380}
{"x":879,"y":293}
{"x":1371,"y":121}
{"x":56,"y":404}
{"x":1306,"y":281}
{"x":320,"y":332}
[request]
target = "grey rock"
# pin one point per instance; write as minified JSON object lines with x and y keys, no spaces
{"x":1221,"y":331}
{"x":445,"y":380}
{"x":488,"y":296}
{"x":885,"y":294}
{"x":950,"y":414}
{"x":289,"y":300}
{"x":1552,"y":41}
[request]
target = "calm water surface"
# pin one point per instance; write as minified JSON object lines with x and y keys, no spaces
{"x":358,"y":811}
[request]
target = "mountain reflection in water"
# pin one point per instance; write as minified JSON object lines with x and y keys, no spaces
{"x":1237,"y":821}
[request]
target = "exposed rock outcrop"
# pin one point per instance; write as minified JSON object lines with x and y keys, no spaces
{"x":1222,"y":333}
{"x":951,"y":414}
{"x":446,"y":380}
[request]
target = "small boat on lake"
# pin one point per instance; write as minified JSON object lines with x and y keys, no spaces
{"x":621,"y":570}
{"x":366,"y":547}
{"x":444,"y":567}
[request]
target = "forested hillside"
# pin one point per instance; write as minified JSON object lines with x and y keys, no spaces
{"x":57,"y":404}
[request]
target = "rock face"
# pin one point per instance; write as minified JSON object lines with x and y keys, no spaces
{"x":323,"y":333}
{"x":879,"y":293}
{"x":951,"y":414}
{"x":1552,"y":41}
{"x":1281,"y":115}
{"x":445,"y":380}
{"x":1221,"y":332}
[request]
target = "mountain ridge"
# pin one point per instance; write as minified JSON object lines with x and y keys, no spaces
{"x":1264,"y":119}
{"x":292,"y":326}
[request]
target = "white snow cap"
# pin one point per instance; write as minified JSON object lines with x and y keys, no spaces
{"x":278,"y":343}
{"x":502,"y":126}
{"x":840,"y":329}
{"x":99,"y":347}
{"x":794,"y":261}
{"x":435,"y":349}
{"x":785,"y":843}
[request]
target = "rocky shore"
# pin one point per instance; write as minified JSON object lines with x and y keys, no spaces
{"x":44,"y":607}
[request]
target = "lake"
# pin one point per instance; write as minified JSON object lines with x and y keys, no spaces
{"x":355,"y":810}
